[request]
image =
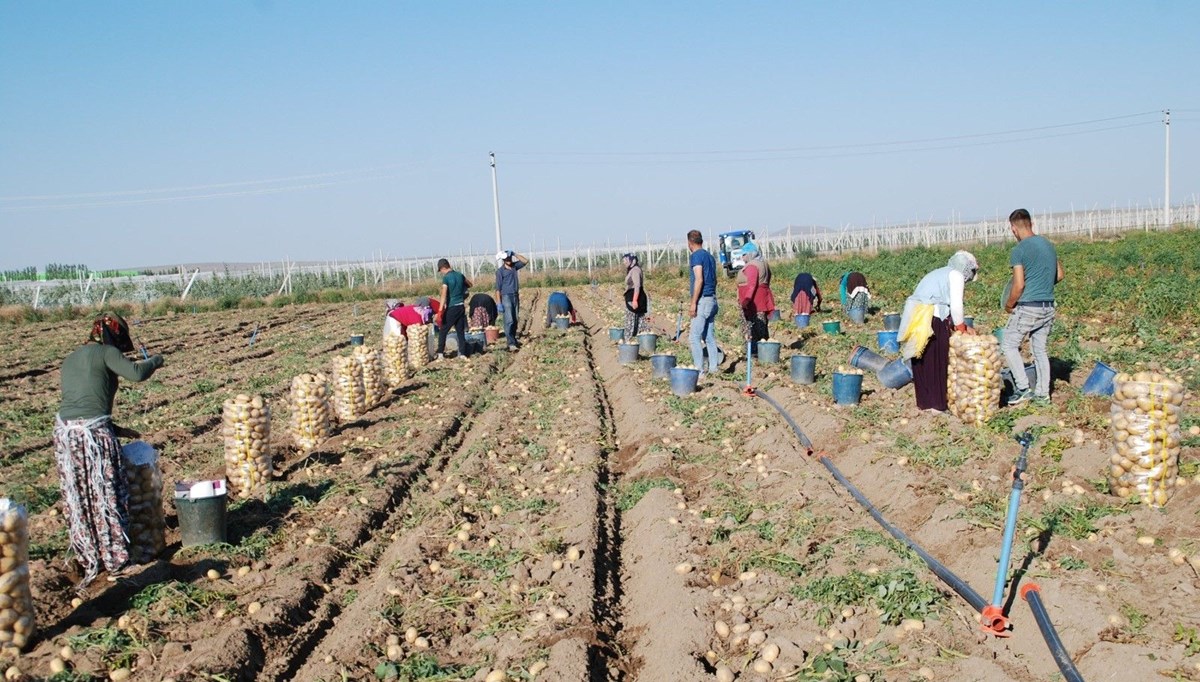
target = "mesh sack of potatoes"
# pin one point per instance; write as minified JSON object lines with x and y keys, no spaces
{"x":246,"y":427}
{"x":418,"y":346}
{"x":16,"y":598}
{"x":147,"y":524}
{"x":349,"y":395}
{"x":309,"y":402}
{"x":395,"y":358}
{"x":375,"y":385}
{"x":973,"y":384}
{"x":1145,"y":414}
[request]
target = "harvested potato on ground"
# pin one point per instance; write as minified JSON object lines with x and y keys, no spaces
{"x":418,"y":346}
{"x":349,"y":395}
{"x":310,"y":411}
{"x":246,"y":428}
{"x":375,"y":385}
{"x":973,"y":383}
{"x":1145,"y":414}
{"x":395,"y":358}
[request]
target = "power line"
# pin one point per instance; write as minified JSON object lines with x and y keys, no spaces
{"x":858,"y":145}
{"x":848,"y":154}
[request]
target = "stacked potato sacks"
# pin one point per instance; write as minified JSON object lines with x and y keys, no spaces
{"x":310,"y":410}
{"x":246,"y":426}
{"x":418,"y":346}
{"x":349,"y":396}
{"x":395,"y":358}
{"x":375,"y":385}
{"x":147,"y":525}
{"x":1146,"y":410}
{"x":973,"y":385}
{"x":16,"y":599}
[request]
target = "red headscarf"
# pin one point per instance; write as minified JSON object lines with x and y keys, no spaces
{"x":110,"y":329}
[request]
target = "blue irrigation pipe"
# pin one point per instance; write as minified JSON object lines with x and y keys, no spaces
{"x":1032,"y":595}
{"x":749,"y":365}
{"x":993,"y":619}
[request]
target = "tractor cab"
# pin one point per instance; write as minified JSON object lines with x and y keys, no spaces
{"x":728,"y":245}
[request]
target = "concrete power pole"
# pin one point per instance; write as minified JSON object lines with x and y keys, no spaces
{"x":1167,"y":172}
{"x":495,"y":201}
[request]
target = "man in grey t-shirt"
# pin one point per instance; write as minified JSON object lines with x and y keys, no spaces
{"x":1036,"y":269}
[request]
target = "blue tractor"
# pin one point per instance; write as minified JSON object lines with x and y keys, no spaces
{"x":728,"y":245}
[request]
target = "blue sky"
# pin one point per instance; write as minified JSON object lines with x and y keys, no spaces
{"x":173,"y":132}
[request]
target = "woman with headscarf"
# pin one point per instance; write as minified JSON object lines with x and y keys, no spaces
{"x":86,"y":451}
{"x":636,"y":301}
{"x":855,"y":292}
{"x":754,"y":295}
{"x":806,"y":295}
{"x":931,"y":315}
{"x":483,"y":310}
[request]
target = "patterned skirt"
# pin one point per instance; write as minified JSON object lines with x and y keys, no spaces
{"x":92,"y":475}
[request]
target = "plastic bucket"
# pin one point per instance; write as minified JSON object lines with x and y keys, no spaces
{"x":1010,"y":386}
{"x":863,"y":358}
{"x":768,"y":352}
{"x":804,"y":369}
{"x":891,"y":322}
{"x":969,"y":321}
{"x":627,"y":353}
{"x":648,"y":341}
{"x":847,"y":388}
{"x":616,"y":333}
{"x":774,"y":315}
{"x":476,"y":342}
{"x":562,"y":322}
{"x":661,"y":365}
{"x":801,"y":320}
{"x":833,"y":327}
{"x":683,"y":381}
{"x":888,"y":342}
{"x":1100,"y":381}
{"x":857,"y":315}
{"x":999,"y":334}
{"x":491,"y":334}
{"x":201,"y":520}
{"x":895,"y":374}
{"x":356,"y":339}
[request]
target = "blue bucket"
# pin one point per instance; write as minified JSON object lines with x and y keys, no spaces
{"x":891,"y":322}
{"x":768,"y":352}
{"x":833,"y":327}
{"x":1100,"y":381}
{"x":969,"y":321}
{"x":661,"y":365}
{"x":847,"y":388}
{"x":857,"y":315}
{"x":648,"y":341}
{"x":562,"y":322}
{"x":683,"y":381}
{"x":616,"y":333}
{"x":804,"y":369}
{"x":999,"y":334}
{"x":1008,"y":386}
{"x":356,"y":339}
{"x":863,"y":358}
{"x":476,"y":342}
{"x":774,"y":315}
{"x":895,"y":374}
{"x":801,"y":320}
{"x":888,"y":342}
{"x":627,"y":353}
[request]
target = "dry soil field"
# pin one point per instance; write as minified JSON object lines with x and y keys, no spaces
{"x":554,"y":514}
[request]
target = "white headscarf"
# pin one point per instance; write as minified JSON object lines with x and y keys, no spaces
{"x":964,"y":262}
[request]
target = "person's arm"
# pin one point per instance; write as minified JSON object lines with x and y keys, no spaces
{"x":698,"y":275}
{"x":499,"y":299}
{"x":816,"y":296}
{"x":1018,"y":288}
{"x":467,"y":284}
{"x":127,"y":369}
{"x":637,"y":288}
{"x":442,"y":303}
{"x":1058,"y":276}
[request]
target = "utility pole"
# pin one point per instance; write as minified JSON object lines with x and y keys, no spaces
{"x":496,"y":201}
{"x":1167,"y":172}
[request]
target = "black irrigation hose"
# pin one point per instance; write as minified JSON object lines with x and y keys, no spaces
{"x":1029,"y":592}
{"x":1066,"y":666}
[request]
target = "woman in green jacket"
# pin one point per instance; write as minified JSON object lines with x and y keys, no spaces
{"x":86,"y":450}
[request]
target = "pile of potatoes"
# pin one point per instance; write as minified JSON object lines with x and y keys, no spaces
{"x":973,"y":384}
{"x":16,"y":599}
{"x":310,"y":415}
{"x":843,"y":369}
{"x":349,"y":395}
{"x":147,"y":525}
{"x":375,"y":386}
{"x":246,"y":428}
{"x":1145,"y":413}
{"x":418,"y":346}
{"x":395,"y":358}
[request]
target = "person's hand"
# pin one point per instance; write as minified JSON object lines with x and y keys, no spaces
{"x":1009,"y":308}
{"x":692,"y":310}
{"x":438,"y":318}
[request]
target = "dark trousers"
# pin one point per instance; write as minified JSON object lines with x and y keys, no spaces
{"x":454,"y":316}
{"x":931,"y":370}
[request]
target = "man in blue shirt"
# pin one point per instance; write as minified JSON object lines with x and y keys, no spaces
{"x":1036,"y":269}
{"x":453,"y":311}
{"x":703,"y":303}
{"x":508,"y":287}
{"x":559,"y":304}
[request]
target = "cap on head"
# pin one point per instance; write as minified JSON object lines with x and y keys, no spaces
{"x":748,"y":249}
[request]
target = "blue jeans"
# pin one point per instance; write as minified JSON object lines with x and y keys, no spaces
{"x":704,"y":332}
{"x":510,"y":302}
{"x":1034,"y":323}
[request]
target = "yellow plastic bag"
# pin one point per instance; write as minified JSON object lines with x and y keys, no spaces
{"x":914,"y":337}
